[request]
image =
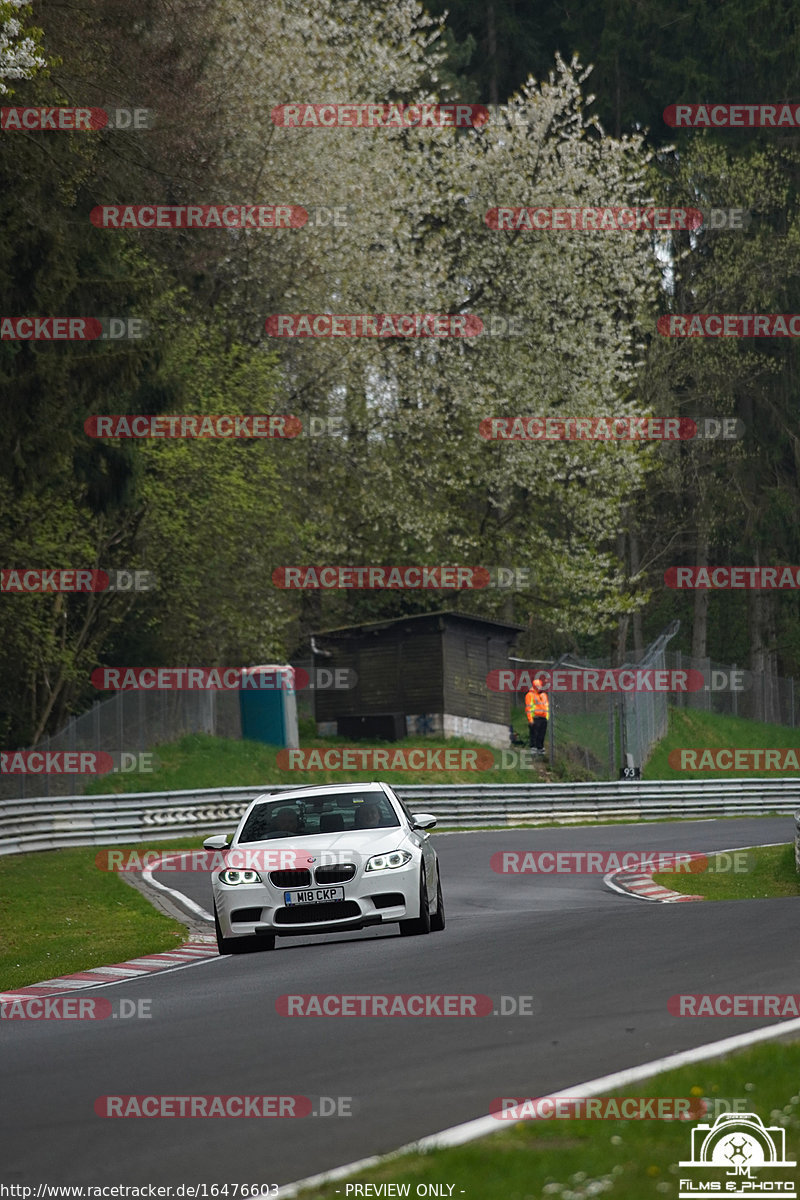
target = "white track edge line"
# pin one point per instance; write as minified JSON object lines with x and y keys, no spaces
{"x":482,"y":1126}
{"x":180,"y":897}
{"x":470,"y":1131}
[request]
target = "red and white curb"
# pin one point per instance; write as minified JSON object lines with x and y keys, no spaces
{"x":642,"y":887}
{"x":196,"y":950}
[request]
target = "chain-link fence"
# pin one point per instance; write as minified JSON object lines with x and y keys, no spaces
{"x":125,"y":725}
{"x":605,"y":731}
{"x":597,"y":730}
{"x":733,"y":691}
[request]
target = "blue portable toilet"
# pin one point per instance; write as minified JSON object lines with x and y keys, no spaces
{"x":268,"y":705}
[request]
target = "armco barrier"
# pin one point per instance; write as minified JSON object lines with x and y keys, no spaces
{"x":52,"y":822}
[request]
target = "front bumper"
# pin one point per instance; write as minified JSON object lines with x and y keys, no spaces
{"x":380,"y":899}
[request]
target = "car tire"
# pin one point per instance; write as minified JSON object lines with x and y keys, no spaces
{"x":438,"y":918}
{"x":242,"y":945}
{"x":422,"y":923}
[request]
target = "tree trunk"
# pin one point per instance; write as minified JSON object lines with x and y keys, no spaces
{"x":638,"y":639}
{"x":701,"y":598}
{"x":624,"y":621}
{"x":491,"y":38}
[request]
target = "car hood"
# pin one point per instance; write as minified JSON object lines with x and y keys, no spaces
{"x":364,"y":842}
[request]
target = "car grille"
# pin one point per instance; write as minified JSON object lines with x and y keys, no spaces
{"x":315,"y":914}
{"x":284,"y":879}
{"x":337,"y":874}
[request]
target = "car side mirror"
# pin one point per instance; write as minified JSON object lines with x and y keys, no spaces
{"x":219,"y":841}
{"x":423,"y":820}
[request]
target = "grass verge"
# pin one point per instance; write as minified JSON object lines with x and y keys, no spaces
{"x":628,"y":1160}
{"x":201,"y":761}
{"x":754,"y":874}
{"x":59,"y":913}
{"x":690,"y":728}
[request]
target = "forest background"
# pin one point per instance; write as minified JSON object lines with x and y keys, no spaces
{"x":399,"y":473}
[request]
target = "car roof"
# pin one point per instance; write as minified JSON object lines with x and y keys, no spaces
{"x":319,"y":789}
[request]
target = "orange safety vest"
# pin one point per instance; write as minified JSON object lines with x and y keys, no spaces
{"x":536,"y":705}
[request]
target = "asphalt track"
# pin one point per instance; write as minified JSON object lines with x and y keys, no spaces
{"x":599,"y":966}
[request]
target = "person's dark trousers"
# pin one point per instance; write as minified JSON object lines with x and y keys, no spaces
{"x":538,"y":730}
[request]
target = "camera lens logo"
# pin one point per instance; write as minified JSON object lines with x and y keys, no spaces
{"x":728,"y":1150}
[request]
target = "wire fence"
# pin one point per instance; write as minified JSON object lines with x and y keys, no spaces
{"x":597,"y":730}
{"x":125,"y":725}
{"x":604,"y":732}
{"x":733,"y":691}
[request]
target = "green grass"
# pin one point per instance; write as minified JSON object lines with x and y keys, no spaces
{"x":753,"y":875}
{"x":580,"y":733}
{"x":626,"y":1160}
{"x":60,"y":914}
{"x":200,"y":761}
{"x":692,"y":728}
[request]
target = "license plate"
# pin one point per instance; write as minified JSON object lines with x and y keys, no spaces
{"x":313,"y":896}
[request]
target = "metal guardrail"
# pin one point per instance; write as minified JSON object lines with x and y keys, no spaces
{"x":54,"y":822}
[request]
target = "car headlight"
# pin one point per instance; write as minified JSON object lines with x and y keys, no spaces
{"x":232,"y":876}
{"x":385,"y":862}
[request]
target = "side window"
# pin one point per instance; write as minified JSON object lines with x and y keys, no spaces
{"x":407,"y":814}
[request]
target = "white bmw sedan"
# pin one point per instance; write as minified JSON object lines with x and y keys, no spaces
{"x":324,"y":860}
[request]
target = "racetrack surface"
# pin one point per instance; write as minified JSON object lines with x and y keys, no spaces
{"x":599,"y":966}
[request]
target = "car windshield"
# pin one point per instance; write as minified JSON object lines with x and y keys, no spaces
{"x":330,"y":812}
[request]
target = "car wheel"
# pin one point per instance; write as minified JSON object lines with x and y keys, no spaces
{"x":437,"y":920}
{"x":422,"y":923}
{"x":242,"y":945}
